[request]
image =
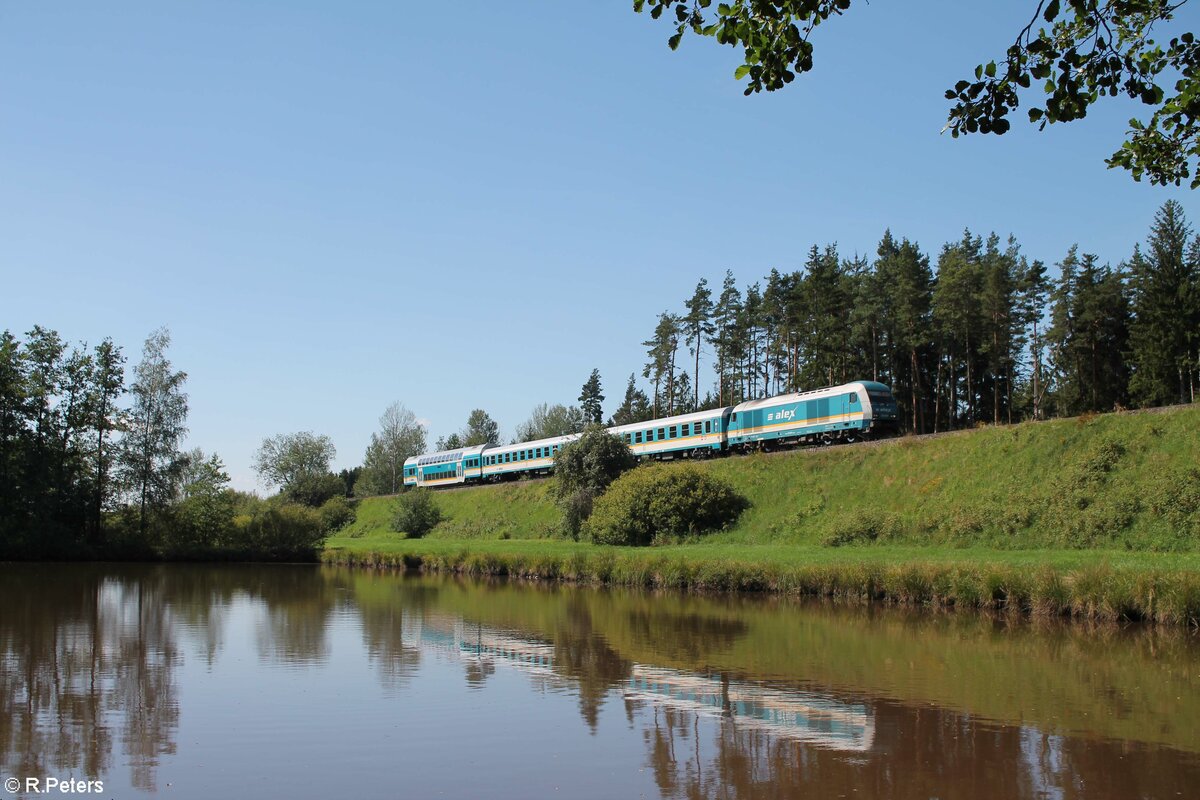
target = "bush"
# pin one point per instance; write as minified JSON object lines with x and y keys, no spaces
{"x":336,"y":513}
{"x":861,"y":527}
{"x":583,"y":470}
{"x":416,"y":514}
{"x":653,"y":503}
{"x":284,"y":531}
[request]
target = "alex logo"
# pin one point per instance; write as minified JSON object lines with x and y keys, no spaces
{"x":786,"y":414}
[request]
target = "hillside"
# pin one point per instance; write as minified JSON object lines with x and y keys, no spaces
{"x":1128,"y":481}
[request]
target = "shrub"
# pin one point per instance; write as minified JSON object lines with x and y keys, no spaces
{"x":283,"y":531}
{"x":416,"y":513}
{"x":584,"y":469}
{"x":336,"y":513}
{"x":653,"y":503}
{"x":863,"y":526}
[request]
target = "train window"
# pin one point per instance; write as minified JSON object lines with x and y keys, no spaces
{"x":708,"y":426}
{"x":650,"y":435}
{"x":538,"y":452}
{"x":735,"y":417}
{"x":673,"y":432}
{"x":853,"y":398}
{"x":637,"y":437}
{"x":661,"y":432}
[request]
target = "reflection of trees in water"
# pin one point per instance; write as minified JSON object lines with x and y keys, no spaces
{"x":298,"y":603}
{"x":386,"y":606}
{"x":383,"y":631}
{"x":85,"y":664}
{"x":917,"y":753}
{"x":89,"y":655}
{"x":688,"y":638}
{"x":584,"y":656}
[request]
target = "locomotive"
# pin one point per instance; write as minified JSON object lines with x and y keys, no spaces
{"x":842,"y":413}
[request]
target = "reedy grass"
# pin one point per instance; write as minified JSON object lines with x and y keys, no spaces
{"x":1092,"y":591}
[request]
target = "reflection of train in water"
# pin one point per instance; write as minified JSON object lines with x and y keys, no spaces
{"x":837,"y":413}
{"x":784,"y":713}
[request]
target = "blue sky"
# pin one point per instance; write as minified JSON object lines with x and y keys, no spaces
{"x":460,"y":205}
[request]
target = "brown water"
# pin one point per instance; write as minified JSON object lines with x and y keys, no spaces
{"x":298,"y":682}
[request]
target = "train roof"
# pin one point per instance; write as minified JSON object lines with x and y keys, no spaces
{"x":549,"y":442}
{"x":654,"y":423}
{"x":811,"y":394}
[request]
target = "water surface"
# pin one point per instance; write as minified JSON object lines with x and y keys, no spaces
{"x":298,"y":682}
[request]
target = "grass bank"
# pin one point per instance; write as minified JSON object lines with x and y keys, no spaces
{"x":1096,"y":517}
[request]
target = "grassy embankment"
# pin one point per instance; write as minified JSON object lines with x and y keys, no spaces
{"x":1097,"y":517}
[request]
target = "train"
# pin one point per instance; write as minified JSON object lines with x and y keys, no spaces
{"x":842,"y":413}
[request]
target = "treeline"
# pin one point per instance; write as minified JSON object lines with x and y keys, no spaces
{"x":981,"y":334}
{"x":91,"y":464}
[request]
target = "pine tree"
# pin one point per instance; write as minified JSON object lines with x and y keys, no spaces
{"x":591,"y":401}
{"x":697,"y":324}
{"x":1033,"y":297}
{"x":723,"y":338}
{"x":958,"y":318}
{"x":660,"y":365}
{"x":1088,"y":336}
{"x":635,"y":407}
{"x":1163,"y":331}
{"x":907,"y":285}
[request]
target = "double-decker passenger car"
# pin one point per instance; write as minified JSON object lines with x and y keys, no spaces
{"x":445,"y":468}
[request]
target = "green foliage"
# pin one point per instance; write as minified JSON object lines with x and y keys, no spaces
{"x":635,"y":406}
{"x":336,"y":513}
{"x":1089,"y":51}
{"x":481,"y":429}
{"x":452,"y":442}
{"x":399,"y":437}
{"x":292,"y":458}
{"x":1164,"y":334}
{"x":416,"y":513}
{"x":656,"y":503}
{"x":583,"y":469}
{"x":314,"y":489}
{"x":150,"y":463}
{"x":591,"y":400}
{"x":863,"y":526}
{"x":284,"y":531}
{"x":204,"y":519}
{"x":547,"y":421}
{"x":591,"y":463}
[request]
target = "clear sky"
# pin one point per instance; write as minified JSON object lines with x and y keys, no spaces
{"x":334,"y":206}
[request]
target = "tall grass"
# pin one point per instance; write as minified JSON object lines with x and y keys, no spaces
{"x":1092,"y":592}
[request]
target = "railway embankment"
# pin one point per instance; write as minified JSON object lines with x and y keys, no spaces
{"x":1095,"y":517}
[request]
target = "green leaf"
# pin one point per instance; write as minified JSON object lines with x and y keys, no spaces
{"x":1051,"y":11}
{"x":990,"y":69}
{"x":741,"y":72}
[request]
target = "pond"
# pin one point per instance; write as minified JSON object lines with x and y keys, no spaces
{"x":304,"y":681}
